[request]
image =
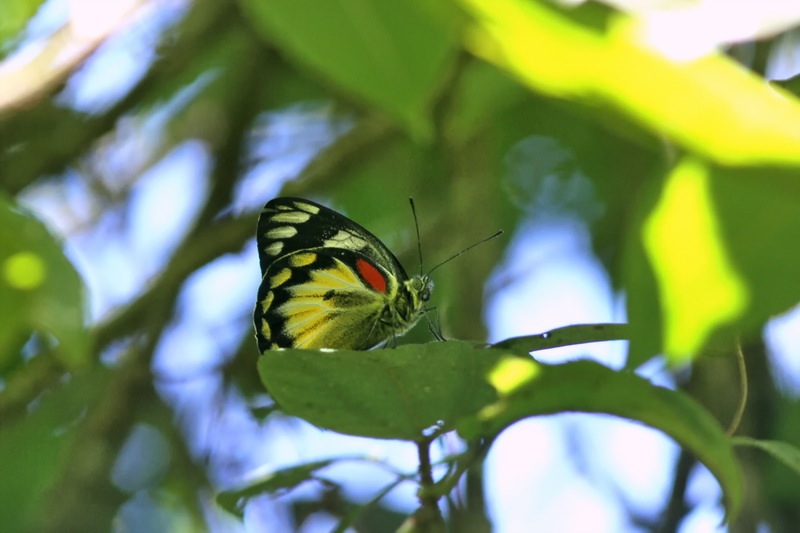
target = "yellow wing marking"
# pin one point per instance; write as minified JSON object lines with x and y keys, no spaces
{"x":280,"y":278}
{"x":303,"y":259}
{"x":313,"y":321}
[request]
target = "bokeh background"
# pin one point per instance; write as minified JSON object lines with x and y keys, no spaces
{"x":139,"y":140}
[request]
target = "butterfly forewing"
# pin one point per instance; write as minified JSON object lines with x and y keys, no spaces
{"x":290,"y":224}
{"x":327,"y":282}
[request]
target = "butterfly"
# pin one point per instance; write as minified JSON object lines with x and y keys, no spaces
{"x":327,"y":282}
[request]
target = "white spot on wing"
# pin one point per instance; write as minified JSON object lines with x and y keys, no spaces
{"x":282,"y":232}
{"x":344,"y":239}
{"x":274,"y":248}
{"x":291,"y":217}
{"x":308,"y":208}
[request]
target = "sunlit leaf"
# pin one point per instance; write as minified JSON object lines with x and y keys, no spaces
{"x":699,"y":287}
{"x":14,"y":16}
{"x":709,"y":105}
{"x":713,"y":249}
{"x":40,"y":291}
{"x":586,"y":386}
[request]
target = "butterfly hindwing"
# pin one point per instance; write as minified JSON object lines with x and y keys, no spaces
{"x":322,"y":302}
{"x":329,"y":283}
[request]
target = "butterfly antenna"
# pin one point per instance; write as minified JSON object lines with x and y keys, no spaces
{"x":467,"y":249}
{"x":416,"y":225}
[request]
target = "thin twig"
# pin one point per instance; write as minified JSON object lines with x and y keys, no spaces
{"x":743,"y":391}
{"x":428,"y":517}
{"x":676,"y":508}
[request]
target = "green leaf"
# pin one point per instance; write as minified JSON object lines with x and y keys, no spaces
{"x":566,"y":336}
{"x":528,"y":388}
{"x":35,"y":447}
{"x":711,"y":239}
{"x":757,"y":213}
{"x":234,"y":501}
{"x":597,"y":58}
{"x":14,"y":16}
{"x":391,"y":54}
{"x":701,"y":294}
{"x":40,"y":291}
{"x":390,"y":394}
{"x":782,"y":451}
{"x":482,"y":95}
{"x":399,"y":393}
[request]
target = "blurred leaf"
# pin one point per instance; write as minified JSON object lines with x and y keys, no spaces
{"x":782,"y":451}
{"x":710,"y":105}
{"x":39,"y":290}
{"x":14,"y":16}
{"x":482,"y":93}
{"x":711,"y":239}
{"x":699,"y":288}
{"x":757,"y":212}
{"x":34,"y":448}
{"x":619,"y":162}
{"x":528,"y":389}
{"x":369,"y":516}
{"x":544,"y":178}
{"x":391,"y":54}
{"x":234,"y":501}
{"x":390,"y":394}
{"x":645,"y":314}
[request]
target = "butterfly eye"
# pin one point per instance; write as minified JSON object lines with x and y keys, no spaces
{"x":423,"y":287}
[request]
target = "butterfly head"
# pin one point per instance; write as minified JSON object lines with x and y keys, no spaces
{"x":420,"y":289}
{"x":409,"y":304}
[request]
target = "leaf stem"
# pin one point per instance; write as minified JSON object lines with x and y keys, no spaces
{"x":737,"y":417}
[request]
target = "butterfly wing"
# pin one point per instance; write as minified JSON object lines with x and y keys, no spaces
{"x":324,"y":298}
{"x":327,"y":282}
{"x":288,"y":225}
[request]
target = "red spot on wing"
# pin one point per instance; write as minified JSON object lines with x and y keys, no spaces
{"x":371,"y":275}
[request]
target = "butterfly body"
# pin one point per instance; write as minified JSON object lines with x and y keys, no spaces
{"x":327,"y":282}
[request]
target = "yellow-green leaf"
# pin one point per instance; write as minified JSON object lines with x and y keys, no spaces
{"x":699,"y":287}
{"x":710,"y":105}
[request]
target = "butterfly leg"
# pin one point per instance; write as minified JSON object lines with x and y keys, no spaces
{"x":434,"y":326}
